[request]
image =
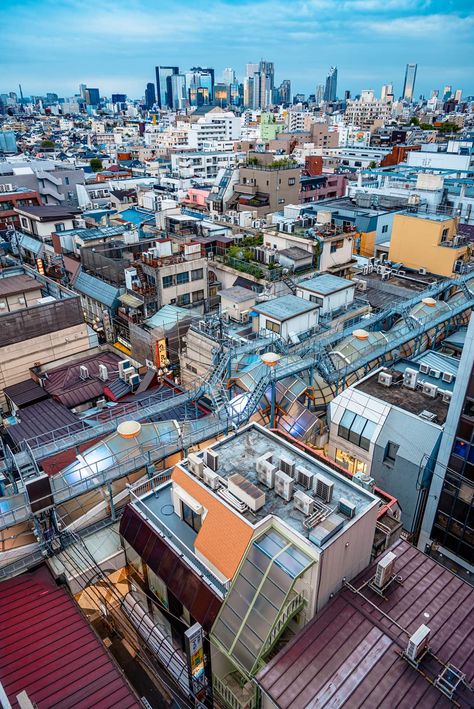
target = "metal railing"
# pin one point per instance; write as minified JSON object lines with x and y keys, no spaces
{"x":291,"y":609}
{"x":230,"y":698}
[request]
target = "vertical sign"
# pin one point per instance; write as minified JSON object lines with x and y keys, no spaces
{"x":195,"y":656}
{"x":161,"y":359}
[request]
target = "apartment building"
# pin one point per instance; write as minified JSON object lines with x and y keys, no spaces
{"x":267,"y":184}
{"x":13,"y":198}
{"x":214,"y":125}
{"x":430,"y":243}
{"x":55,"y":181}
{"x":364,"y":112}
{"x":203,"y":165}
{"x":297,"y":528}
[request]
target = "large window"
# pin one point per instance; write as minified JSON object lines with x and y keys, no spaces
{"x":356,"y":429}
{"x":197,"y":274}
{"x":184,"y":299}
{"x":273,"y":326}
{"x":182,"y":278}
{"x":167,"y":281}
{"x":190,"y":517}
{"x":391,"y":450}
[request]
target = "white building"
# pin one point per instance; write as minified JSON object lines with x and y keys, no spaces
{"x":214,"y":127}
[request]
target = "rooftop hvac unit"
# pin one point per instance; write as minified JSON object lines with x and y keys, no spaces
{"x":195,"y":465}
{"x":83,"y":372}
{"x":447,"y":377}
{"x":260,"y":463}
{"x":430,"y":390}
{"x":284,"y":485}
{"x":424,"y":368}
{"x":245,"y":316}
{"x":385,"y":379}
{"x":287,"y":466}
{"x":210,"y":477}
{"x":447,"y":396}
{"x":364,"y":481}
{"x":122,"y":365}
{"x":418,"y":643}
{"x":422,"y":271}
{"x":303,"y":502}
{"x":134,"y":381}
{"x":348,"y":509}
{"x":246,"y":491}
{"x":127,"y":373}
{"x":305,"y":477}
{"x":101,"y":403}
{"x":410,"y":378}
{"x":103,"y":372}
{"x":323,"y":488}
{"x":435,"y":373}
{"x":211,"y":459}
{"x":266,"y":473}
{"x":384,"y":570}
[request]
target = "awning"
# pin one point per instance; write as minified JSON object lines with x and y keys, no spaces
{"x":131,"y":300}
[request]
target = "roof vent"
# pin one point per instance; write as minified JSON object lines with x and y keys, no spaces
{"x":361,"y":334}
{"x":427,"y":415}
{"x":430,"y":302}
{"x":129,"y":429}
{"x":83,"y":372}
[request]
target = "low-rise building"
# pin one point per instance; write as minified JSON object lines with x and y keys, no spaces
{"x":288,"y":316}
{"x":331,"y":293}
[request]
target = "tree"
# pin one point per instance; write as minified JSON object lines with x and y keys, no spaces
{"x":372,"y":164}
{"x":414,"y":121}
{"x":96,"y":164}
{"x":47,"y":144}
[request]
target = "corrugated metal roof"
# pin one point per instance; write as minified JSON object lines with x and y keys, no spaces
{"x":40,"y":419}
{"x":169,"y":315}
{"x":97,"y":289}
{"x":48,"y":649}
{"x":25,"y":393}
{"x":439,"y":361}
{"x":33,"y":245}
{"x":349,"y":654}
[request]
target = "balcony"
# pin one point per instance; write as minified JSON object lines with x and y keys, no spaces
{"x":235,"y":691}
{"x":245,"y":188}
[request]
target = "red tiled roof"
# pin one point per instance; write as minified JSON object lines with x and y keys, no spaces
{"x":349,"y":654}
{"x":48,"y":649}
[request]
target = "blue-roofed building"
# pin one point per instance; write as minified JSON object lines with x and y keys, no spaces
{"x":99,"y":301}
{"x":136,"y":216}
{"x":330,"y":292}
{"x":288,"y":316}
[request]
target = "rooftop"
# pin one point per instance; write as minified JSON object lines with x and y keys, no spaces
{"x":350,"y":653}
{"x":237,"y":294}
{"x":48,"y":213}
{"x":238,"y":454}
{"x":295,"y":253}
{"x":49,"y":650}
{"x":325,"y":284}
{"x":97,"y":289}
{"x":13,"y":285}
{"x":285,"y":307}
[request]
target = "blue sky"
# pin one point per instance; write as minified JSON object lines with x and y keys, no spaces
{"x":53,"y":45}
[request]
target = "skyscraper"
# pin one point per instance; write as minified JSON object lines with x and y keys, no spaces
{"x":387,"y":93}
{"x":284,"y":92}
{"x":150,"y":96}
{"x":228,"y":76}
{"x":319,"y":95}
{"x":409,"y":83}
{"x":330,"y":92}
{"x":199,"y":78}
{"x":163,"y":85}
{"x":447,"y":91}
{"x":92,"y":97}
{"x":267,"y":83}
{"x":178,"y":92}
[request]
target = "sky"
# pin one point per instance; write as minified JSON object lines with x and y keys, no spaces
{"x":54,"y":45}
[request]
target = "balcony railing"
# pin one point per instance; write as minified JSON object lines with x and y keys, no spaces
{"x":239,"y":696}
{"x":291,"y":609}
{"x":246,"y":188}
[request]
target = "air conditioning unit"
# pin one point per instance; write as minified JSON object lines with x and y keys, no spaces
{"x":103,"y":372}
{"x":261,"y":462}
{"x":447,"y":396}
{"x":305,"y":477}
{"x":435,"y":373}
{"x":127,"y":373}
{"x":348,"y":509}
{"x":101,"y":403}
{"x":385,"y":379}
{"x":245,"y":316}
{"x":364,"y":481}
{"x":83,"y":372}
{"x":266,"y":474}
{"x":303,"y":502}
{"x":122,"y":365}
{"x":3,"y":305}
{"x":211,"y":459}
{"x":210,"y":478}
{"x":134,"y":381}
{"x":410,"y":378}
{"x":195,"y":465}
{"x":418,"y":643}
{"x":447,"y":377}
{"x":323,"y":488}
{"x":422,"y":271}
{"x":430,"y":390}
{"x":384,"y":570}
{"x":287,"y":466}
{"x":284,"y":485}
{"x":424,"y":368}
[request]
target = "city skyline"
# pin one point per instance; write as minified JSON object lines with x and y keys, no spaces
{"x":116,"y":47}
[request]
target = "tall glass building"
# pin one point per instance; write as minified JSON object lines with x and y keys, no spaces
{"x":164,"y":92}
{"x":409,"y":83}
{"x":330,"y":91}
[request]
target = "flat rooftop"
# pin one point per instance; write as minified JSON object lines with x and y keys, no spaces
{"x":349,"y":655}
{"x":285,"y":307}
{"x":239,"y":453}
{"x":326,"y":284}
{"x":15,"y":285}
{"x":412,"y":400}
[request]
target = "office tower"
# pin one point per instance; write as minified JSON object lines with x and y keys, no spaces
{"x":409,"y":83}
{"x":248,"y":91}
{"x":284,"y":91}
{"x":228,"y":76}
{"x":387,"y":92}
{"x":267,"y":83}
{"x":448,"y":519}
{"x":199,"y":78}
{"x":92,"y":97}
{"x":458,"y":95}
{"x":82,"y":90}
{"x":347,"y":95}
{"x":119,"y":98}
{"x":435,"y":93}
{"x":447,"y":91}
{"x":319,"y":95}
{"x":150,"y":96}
{"x":234,"y":93}
{"x":330,"y":91}
{"x":163,"y":85}
{"x":178,"y":92}
{"x":250,"y":70}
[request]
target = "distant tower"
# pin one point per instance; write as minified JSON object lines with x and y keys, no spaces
{"x":330,"y":91}
{"x":409,"y":83}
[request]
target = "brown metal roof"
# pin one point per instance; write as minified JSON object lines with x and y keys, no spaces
{"x":349,"y":654}
{"x":65,"y":384}
{"x":41,"y":419}
{"x":25,"y":393}
{"x":11,"y":285}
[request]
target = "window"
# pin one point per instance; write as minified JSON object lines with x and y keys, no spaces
{"x":391,"y":450}
{"x":356,"y":429}
{"x":167,"y":281}
{"x":184,"y":299}
{"x":384,"y":228}
{"x":316,"y":299}
{"x":59,"y":227}
{"x":197,"y":274}
{"x":273,"y":326}
{"x":291,"y":181}
{"x":445,"y":234}
{"x":198,"y":295}
{"x":182,"y":278}
{"x":66,"y":180}
{"x":24,"y":222}
{"x":281,"y":201}
{"x":190,"y":517}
